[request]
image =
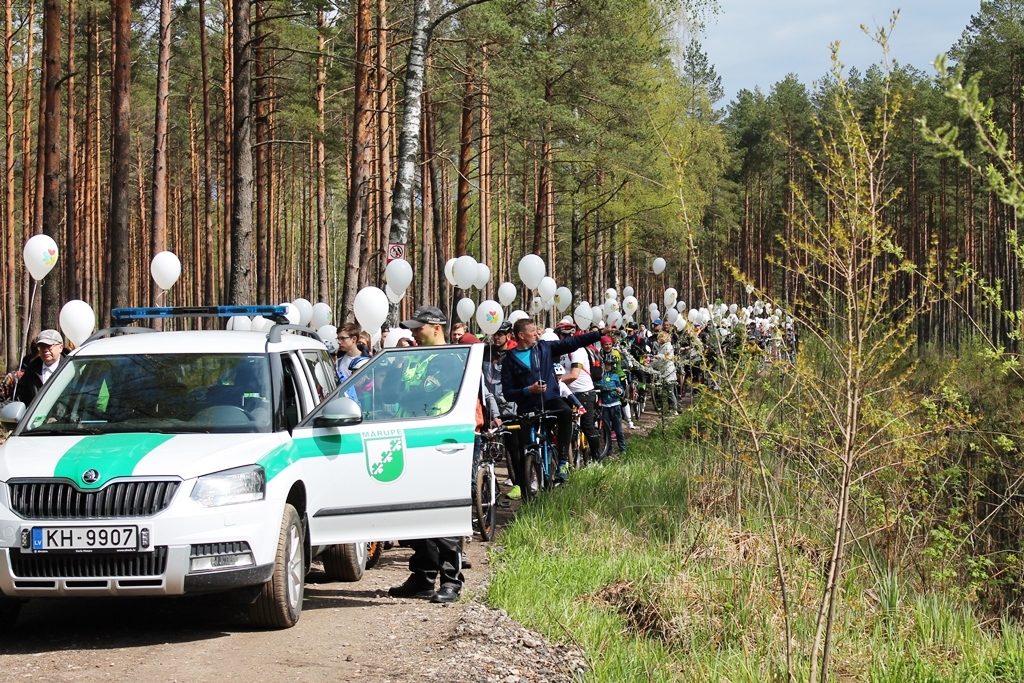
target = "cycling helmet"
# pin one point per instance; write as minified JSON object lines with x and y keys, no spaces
{"x":559,"y":370}
{"x":504,"y":328}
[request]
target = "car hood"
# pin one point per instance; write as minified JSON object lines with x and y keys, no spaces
{"x":110,"y":456}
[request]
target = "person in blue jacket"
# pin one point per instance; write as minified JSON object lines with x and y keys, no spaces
{"x":528,"y":378}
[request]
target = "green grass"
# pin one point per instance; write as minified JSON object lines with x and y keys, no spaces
{"x":641,"y":563}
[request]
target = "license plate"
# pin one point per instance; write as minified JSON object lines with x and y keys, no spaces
{"x":85,"y":538}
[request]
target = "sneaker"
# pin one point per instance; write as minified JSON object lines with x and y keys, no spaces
{"x":563,"y":471}
{"x":508,"y":482}
{"x":449,"y":592}
{"x":412,"y":588}
{"x":632,"y":426}
{"x":515,"y":493}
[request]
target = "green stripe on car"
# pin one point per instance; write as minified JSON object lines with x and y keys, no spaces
{"x":282,"y":457}
{"x":110,"y":455}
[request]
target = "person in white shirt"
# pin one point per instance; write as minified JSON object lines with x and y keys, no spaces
{"x":579,"y":381}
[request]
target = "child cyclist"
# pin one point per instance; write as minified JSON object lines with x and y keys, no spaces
{"x":612,"y":391}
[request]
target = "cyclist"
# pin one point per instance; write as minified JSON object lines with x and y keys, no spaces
{"x":580,"y":381}
{"x":620,"y":364}
{"x":494,"y":357}
{"x":528,"y":377}
{"x":612,"y":392}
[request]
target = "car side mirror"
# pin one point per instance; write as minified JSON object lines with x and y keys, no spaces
{"x":11,"y":414}
{"x":338,"y":412}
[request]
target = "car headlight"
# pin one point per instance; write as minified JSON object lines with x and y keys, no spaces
{"x":230,"y":487}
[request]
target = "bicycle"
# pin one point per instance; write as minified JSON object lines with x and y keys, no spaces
{"x":485,"y":486}
{"x":540,"y":457}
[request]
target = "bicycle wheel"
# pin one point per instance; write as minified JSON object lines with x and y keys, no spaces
{"x":551,"y":470}
{"x":526,"y":473}
{"x":577,"y":447}
{"x":483,"y":502}
{"x":606,"y":439}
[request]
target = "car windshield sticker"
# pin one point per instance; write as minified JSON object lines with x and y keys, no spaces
{"x":113,"y":455}
{"x":385,"y":456}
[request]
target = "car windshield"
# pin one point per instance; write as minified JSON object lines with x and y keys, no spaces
{"x":170,"y":393}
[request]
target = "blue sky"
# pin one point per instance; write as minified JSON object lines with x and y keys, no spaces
{"x":758,"y":42}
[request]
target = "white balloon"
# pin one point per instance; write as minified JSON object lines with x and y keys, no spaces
{"x":615,"y":319}
{"x":671,"y":315}
{"x":165,"y":269}
{"x":305,"y":310}
{"x":563,"y":299}
{"x":392,"y":296}
{"x":375,"y":338}
{"x":370,"y":307}
{"x":630,"y":304}
{"x":483,"y":276}
{"x":489,"y":316}
{"x":394,"y":335}
{"x":658,"y":266}
{"x":398,"y":275}
{"x":465,"y":309}
{"x":291,"y":312}
{"x":40,"y":255}
{"x":610,"y":293}
{"x":327,"y":333}
{"x":610,"y":306}
{"x":507,"y":293}
{"x":778,"y":312}
{"x":77,"y":321}
{"x":517,"y":315}
{"x":240,"y":323}
{"x":322,"y":315}
{"x":465,"y":271}
{"x":267,"y":324}
{"x":732,"y":309}
{"x":680,"y":306}
{"x":670,"y":297}
{"x":531,"y":270}
{"x":627,"y":291}
{"x":537,"y":305}
{"x":693,"y":316}
{"x":680,"y":323}
{"x":583,"y":315}
{"x":256,"y":324}
{"x":596,"y":314}
{"x":750,"y":289}
{"x":546,"y":287}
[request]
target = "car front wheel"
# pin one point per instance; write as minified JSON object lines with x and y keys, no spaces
{"x":279,"y":603}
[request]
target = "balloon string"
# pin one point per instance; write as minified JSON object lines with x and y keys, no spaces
{"x":24,"y":343}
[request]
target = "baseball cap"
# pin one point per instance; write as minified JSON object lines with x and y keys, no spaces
{"x":425,"y":315}
{"x":49,"y":337}
{"x":657,"y":321}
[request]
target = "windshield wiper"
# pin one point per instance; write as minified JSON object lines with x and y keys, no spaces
{"x":68,"y":431}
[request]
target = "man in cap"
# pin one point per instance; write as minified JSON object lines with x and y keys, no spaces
{"x":49,"y":347}
{"x":427,"y":390}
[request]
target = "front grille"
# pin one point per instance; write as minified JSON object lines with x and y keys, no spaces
{"x":63,"y":500}
{"x":81,"y":566}
{"x":211,"y":549}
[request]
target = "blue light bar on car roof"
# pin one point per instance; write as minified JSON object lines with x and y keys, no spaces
{"x":276,"y":313}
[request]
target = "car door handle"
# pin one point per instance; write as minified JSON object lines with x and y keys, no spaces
{"x":449,"y":448}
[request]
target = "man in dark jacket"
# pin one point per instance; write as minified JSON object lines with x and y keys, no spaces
{"x":49,"y":354}
{"x":528,"y":378}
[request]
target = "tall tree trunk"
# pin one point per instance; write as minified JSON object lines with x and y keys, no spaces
{"x":465,"y":159}
{"x":384,"y":131}
{"x":408,"y":140}
{"x":486,"y":251}
{"x":241,"y":158}
{"x":51,"y":218}
{"x":120,"y":158}
{"x":209,"y":289}
{"x":262,"y":160}
{"x":359,"y":165}
{"x":323,"y":288}
{"x":70,"y":256}
{"x":158,"y":215}
{"x":10,"y":279}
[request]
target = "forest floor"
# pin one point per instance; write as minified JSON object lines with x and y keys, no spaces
{"x":348,"y":631}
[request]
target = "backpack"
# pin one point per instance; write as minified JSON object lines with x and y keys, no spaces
{"x":596,"y":366}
